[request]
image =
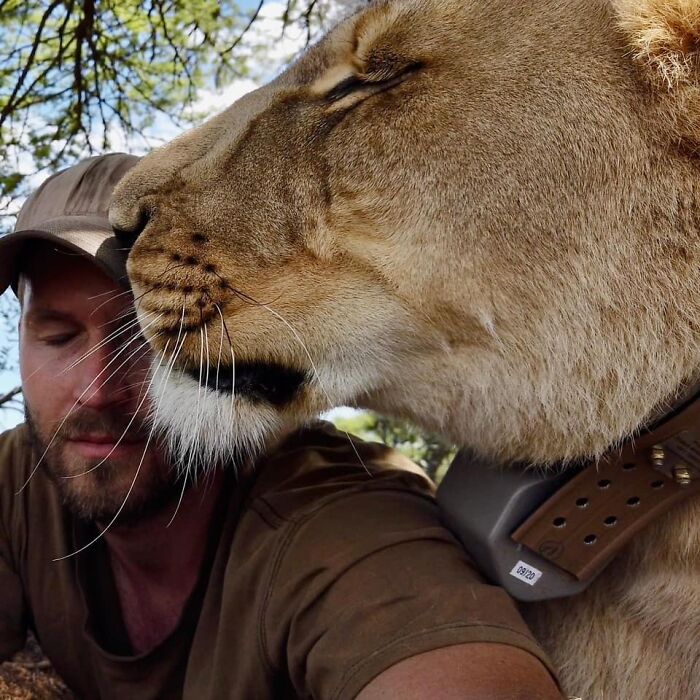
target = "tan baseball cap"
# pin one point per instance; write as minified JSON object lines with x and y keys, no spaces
{"x":70,"y":209}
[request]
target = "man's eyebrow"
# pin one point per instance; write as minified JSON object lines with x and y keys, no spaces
{"x":48,"y":314}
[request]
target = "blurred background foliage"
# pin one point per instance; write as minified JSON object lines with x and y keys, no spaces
{"x":78,"y":75}
{"x":427,"y":450}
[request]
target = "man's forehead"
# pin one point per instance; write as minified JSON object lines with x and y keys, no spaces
{"x":56,"y":278}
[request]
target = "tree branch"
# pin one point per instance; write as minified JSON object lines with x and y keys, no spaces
{"x":82,"y":31}
{"x":6,"y":398}
{"x":239,"y":38}
{"x":9,"y":107}
{"x":307,"y":20}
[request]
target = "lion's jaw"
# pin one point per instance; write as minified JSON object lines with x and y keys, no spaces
{"x":428,"y":217}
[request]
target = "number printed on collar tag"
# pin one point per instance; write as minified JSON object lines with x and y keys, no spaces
{"x":526,"y":573}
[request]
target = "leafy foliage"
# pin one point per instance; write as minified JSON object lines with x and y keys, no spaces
{"x":78,"y":75}
{"x":71,"y":70}
{"x":430,"y":452}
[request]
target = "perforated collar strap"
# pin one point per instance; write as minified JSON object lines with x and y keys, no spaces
{"x":585,"y":523}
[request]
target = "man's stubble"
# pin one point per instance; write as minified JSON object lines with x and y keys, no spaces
{"x":96,"y":491}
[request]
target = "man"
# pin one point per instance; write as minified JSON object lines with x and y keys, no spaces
{"x":304,"y":577}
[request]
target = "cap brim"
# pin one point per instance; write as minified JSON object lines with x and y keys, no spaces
{"x":89,"y":236}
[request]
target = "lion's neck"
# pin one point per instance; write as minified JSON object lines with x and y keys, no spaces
{"x":634,"y":633}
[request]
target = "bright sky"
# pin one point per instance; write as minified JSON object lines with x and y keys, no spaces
{"x":265,"y":33}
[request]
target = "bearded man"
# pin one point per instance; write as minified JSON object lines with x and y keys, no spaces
{"x":307,"y":574}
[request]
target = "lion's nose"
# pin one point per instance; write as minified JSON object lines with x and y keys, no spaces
{"x":128,"y":223}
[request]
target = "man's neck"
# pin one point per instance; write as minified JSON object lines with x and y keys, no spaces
{"x":156,"y":563}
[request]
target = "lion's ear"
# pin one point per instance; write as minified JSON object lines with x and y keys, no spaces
{"x":664,"y":40}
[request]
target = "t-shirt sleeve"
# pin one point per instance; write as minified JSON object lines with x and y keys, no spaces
{"x":373,"y":578}
{"x":13,"y":628}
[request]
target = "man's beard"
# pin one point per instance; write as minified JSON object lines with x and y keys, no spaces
{"x":96,"y":490}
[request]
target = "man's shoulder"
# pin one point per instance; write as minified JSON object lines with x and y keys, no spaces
{"x":320,"y":464}
{"x":15,"y":454}
{"x":16,"y":466}
{"x":19,"y":434}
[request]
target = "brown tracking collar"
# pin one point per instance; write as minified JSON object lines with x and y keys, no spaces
{"x":585,"y":523}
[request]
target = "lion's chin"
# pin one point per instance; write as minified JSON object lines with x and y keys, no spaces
{"x":204,"y":427}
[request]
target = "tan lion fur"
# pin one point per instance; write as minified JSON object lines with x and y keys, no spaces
{"x":495,"y":235}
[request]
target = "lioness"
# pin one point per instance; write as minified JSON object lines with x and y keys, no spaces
{"x":480,"y":216}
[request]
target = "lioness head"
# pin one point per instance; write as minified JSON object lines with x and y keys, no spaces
{"x":481,"y":216}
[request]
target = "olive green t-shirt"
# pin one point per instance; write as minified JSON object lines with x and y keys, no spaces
{"x":321,"y":573}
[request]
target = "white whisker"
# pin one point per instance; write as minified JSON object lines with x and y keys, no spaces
{"x":108,"y":339}
{"x":199,"y":397}
{"x":101,"y":294}
{"x":206,"y":348}
{"x":129,"y":313}
{"x":142,"y":398}
{"x":77,"y":401}
{"x":221,"y":347}
{"x":126,"y":498}
{"x":114,"y":298}
{"x":179,"y":501}
{"x":317,"y":375}
{"x":173,"y":359}
{"x":233,"y":364}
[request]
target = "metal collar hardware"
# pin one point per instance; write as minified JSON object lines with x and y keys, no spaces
{"x":548,"y":534}
{"x":600,"y":509}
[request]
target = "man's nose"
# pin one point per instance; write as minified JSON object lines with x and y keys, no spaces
{"x":102,"y":377}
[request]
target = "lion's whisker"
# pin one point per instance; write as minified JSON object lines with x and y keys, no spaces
{"x":233,"y":361}
{"x":129,"y":313}
{"x":179,"y":500}
{"x":141,"y":383}
{"x":126,"y":497}
{"x":221,"y":347}
{"x":142,"y":399}
{"x":317,"y":375}
{"x":72,"y":408}
{"x":204,"y":337}
{"x":107,"y":301}
{"x":173,"y":359}
{"x":199,"y":397}
{"x":101,"y":294}
{"x":109,"y":338}
{"x":169,"y":367}
{"x":43,"y":365}
{"x":168,"y":372}
{"x":206,"y":348}
{"x":132,"y":308}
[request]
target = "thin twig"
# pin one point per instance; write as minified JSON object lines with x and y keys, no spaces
{"x":6,"y":398}
{"x":9,"y":106}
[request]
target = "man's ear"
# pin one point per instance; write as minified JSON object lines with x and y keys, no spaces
{"x":664,"y":40}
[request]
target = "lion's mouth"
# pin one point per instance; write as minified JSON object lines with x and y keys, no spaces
{"x":256,"y":381}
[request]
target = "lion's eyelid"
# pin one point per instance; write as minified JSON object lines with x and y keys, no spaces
{"x":359,"y":82}
{"x":345,"y":87}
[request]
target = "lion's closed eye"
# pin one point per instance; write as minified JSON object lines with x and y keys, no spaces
{"x":360,"y":87}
